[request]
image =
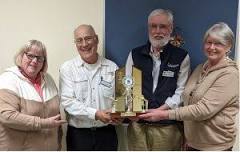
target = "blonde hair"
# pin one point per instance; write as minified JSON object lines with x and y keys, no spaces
{"x":26,"y":48}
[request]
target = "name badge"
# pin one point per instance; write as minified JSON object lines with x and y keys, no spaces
{"x":105,"y":83}
{"x":168,"y":74}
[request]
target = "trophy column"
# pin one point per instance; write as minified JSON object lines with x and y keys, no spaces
{"x":129,"y":101}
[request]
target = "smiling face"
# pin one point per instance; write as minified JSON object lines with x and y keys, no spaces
{"x":32,"y":61}
{"x":217,"y":42}
{"x":215,"y":50}
{"x":86,"y":42}
{"x":159,"y":30}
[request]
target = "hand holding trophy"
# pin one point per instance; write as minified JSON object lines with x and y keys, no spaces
{"x":129,"y":101}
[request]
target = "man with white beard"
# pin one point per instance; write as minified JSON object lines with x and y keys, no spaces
{"x":165,"y":70}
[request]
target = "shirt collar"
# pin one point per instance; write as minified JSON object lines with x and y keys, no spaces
{"x":154,"y":54}
{"x":100,"y":61}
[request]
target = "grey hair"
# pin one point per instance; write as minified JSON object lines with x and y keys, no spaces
{"x":157,"y":12}
{"x":222,"y":32}
{"x":26,"y":48}
{"x":85,"y":25}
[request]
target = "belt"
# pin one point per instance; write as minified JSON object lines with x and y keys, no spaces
{"x":96,"y":128}
{"x":101,"y":128}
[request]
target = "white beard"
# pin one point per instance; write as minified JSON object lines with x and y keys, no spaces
{"x":159,"y":43}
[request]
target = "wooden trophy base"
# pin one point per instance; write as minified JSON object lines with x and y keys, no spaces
{"x":125,"y":114}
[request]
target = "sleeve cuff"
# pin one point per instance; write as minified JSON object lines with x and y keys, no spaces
{"x":172,"y":114}
{"x":44,"y":123}
{"x":170,"y":103}
{"x":92,"y":113}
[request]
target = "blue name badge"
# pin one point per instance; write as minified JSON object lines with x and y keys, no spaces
{"x":168,"y":74}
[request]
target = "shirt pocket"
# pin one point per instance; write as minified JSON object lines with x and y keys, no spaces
{"x":81,"y":88}
{"x":107,"y":83}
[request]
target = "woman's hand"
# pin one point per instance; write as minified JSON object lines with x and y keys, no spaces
{"x":55,"y":121}
{"x":154,"y":115}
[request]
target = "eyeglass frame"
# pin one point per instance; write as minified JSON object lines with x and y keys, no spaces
{"x":31,"y":57}
{"x":215,"y":43}
{"x":88,"y":39}
{"x":154,"y":26}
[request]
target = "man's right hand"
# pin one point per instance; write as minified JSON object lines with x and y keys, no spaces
{"x":103,"y":116}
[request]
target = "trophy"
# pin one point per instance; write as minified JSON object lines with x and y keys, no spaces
{"x":129,"y":101}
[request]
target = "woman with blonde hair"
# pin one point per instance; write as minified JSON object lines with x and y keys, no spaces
{"x":29,"y":111}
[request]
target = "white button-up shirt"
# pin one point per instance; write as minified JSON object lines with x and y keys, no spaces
{"x":85,"y":88}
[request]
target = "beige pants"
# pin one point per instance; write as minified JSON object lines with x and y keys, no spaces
{"x":146,"y":137}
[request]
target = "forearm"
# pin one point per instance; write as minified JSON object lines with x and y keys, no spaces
{"x":222,"y":91}
{"x":24,"y":122}
{"x":11,"y":116}
{"x":175,"y":100}
{"x":185,"y":113}
{"x":77,"y":109}
{"x":73,"y":105}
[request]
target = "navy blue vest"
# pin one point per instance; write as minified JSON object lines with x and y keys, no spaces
{"x":171,"y":59}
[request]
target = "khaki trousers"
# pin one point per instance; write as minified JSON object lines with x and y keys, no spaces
{"x":155,"y":137}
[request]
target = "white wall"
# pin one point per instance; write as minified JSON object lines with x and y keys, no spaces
{"x":50,"y":21}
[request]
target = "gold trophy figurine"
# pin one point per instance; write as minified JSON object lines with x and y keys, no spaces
{"x":129,"y":101}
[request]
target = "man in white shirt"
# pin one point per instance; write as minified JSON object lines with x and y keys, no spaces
{"x":165,"y":70}
{"x":86,"y":89}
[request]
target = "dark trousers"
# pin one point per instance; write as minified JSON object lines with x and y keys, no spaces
{"x":101,"y":139}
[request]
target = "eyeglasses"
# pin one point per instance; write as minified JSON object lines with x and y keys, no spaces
{"x":31,"y":57}
{"x":160,"y":26}
{"x":216,"y":44}
{"x":87,"y":39}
